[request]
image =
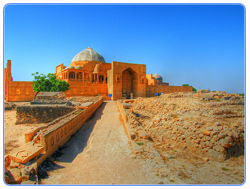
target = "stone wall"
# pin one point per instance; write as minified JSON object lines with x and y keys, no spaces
{"x":40,"y":113}
{"x":153,"y":89}
{"x":60,"y":134}
{"x":87,"y":89}
{"x":14,"y":91}
{"x":19,"y":91}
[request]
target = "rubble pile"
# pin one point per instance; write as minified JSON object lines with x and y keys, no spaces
{"x":9,"y":106}
{"x":50,"y":98}
{"x":82,"y":99}
{"x":211,"y":122}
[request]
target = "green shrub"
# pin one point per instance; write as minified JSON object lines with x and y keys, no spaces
{"x":187,"y":85}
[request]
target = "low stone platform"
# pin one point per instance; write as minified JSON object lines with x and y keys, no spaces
{"x":40,"y":113}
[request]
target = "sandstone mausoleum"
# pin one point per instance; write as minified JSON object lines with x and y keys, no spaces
{"x":89,"y":75}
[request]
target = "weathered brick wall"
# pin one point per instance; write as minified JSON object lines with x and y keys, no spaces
{"x":40,"y":114}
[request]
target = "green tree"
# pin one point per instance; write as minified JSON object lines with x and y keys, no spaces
{"x":47,"y":83}
{"x":187,"y":85}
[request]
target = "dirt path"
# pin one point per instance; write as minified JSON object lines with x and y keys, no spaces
{"x":99,"y":153}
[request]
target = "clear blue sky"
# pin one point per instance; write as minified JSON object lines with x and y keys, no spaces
{"x":202,"y":45}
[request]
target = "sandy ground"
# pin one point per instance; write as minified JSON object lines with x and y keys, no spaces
{"x":14,"y":134}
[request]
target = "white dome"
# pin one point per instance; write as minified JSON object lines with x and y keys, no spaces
{"x":88,"y":54}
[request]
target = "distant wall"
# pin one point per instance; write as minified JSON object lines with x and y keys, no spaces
{"x":40,"y":113}
{"x":16,"y":90}
{"x":153,"y":89}
{"x":20,"y":91}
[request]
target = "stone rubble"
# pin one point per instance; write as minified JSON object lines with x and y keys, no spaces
{"x":211,"y":122}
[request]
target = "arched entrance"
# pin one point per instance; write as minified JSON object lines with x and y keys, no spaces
{"x":129,"y":83}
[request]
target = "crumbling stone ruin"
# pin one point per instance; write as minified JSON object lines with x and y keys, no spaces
{"x":212,"y":123}
{"x":9,"y":106}
{"x":21,"y":164}
{"x":47,"y":107}
{"x":51,"y":98}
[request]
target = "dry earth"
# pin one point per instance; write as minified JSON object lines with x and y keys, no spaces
{"x":14,"y":134}
{"x":194,"y":133}
{"x":99,"y":153}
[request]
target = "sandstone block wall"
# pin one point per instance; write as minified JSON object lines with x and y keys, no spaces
{"x":19,"y":91}
{"x":40,"y":113}
{"x":87,"y":89}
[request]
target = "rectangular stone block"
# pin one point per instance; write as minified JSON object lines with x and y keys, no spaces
{"x":127,"y":105}
{"x":26,"y":152}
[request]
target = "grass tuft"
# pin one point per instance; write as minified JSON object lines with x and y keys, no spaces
{"x":139,"y":143}
{"x":224,"y":169}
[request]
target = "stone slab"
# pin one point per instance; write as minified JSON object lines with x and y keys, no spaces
{"x":87,"y":104}
{"x":26,"y":152}
{"x":128,"y":100}
{"x":127,"y":105}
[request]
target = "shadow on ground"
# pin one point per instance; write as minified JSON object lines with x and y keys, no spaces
{"x":75,"y":145}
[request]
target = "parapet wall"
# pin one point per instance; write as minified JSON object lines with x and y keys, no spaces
{"x":40,"y":113}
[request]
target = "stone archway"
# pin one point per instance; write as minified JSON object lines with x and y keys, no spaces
{"x":129,"y":83}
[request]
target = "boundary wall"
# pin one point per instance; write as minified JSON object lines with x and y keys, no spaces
{"x":153,"y":89}
{"x":21,"y":91}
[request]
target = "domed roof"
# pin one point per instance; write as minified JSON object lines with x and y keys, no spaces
{"x":71,"y":67}
{"x":157,"y":77}
{"x":88,"y":54}
{"x":78,"y":67}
